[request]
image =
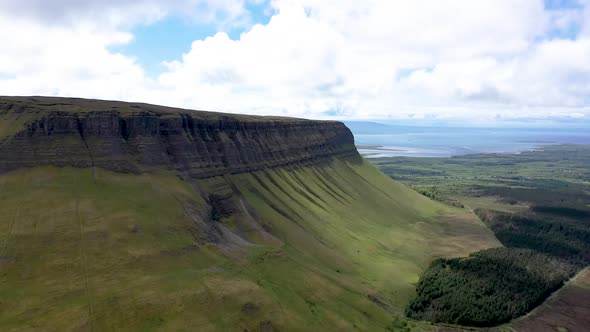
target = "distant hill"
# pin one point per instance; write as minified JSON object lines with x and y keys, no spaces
{"x":367,"y":127}
{"x":135,"y":217}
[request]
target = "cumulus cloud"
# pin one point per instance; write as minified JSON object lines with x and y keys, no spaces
{"x":343,"y":58}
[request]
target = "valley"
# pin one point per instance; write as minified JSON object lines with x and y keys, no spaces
{"x":537,"y":205}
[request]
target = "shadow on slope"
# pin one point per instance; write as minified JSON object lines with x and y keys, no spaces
{"x":332,"y":247}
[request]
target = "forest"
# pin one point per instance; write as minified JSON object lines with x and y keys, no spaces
{"x":561,"y":236}
{"x":488,"y":288}
{"x":537,"y":204}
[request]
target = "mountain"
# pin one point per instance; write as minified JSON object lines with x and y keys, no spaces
{"x":126,"y":216}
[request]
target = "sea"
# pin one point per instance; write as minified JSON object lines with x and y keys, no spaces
{"x":390,"y":141}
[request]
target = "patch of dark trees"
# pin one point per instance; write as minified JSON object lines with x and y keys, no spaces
{"x":545,"y":246}
{"x":488,"y":288}
{"x":564,"y":236}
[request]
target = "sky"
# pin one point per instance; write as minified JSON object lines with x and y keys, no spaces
{"x":471,"y":61}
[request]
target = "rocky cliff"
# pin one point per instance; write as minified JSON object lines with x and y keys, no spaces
{"x":131,"y":137}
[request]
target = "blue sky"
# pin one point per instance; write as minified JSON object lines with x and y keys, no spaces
{"x":172,"y":36}
{"x":165,"y":40}
{"x":424,"y":60}
{"x":562,"y":4}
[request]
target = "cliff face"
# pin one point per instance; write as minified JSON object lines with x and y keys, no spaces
{"x":136,"y":137}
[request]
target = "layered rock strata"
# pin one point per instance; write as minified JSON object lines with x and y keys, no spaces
{"x":126,"y":137}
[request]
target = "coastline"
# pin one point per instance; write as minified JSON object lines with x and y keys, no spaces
{"x":380,"y":151}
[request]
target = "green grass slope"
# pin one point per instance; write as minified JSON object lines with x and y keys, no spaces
{"x":337,"y":247}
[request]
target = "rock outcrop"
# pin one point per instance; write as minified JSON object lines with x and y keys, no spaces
{"x":129,"y":137}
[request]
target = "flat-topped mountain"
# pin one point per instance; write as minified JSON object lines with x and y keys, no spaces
{"x":131,"y":137}
{"x":132,"y":217}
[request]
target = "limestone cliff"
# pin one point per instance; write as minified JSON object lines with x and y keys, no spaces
{"x":132,"y":137}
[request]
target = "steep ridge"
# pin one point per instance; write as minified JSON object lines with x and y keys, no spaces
{"x":238,"y":224}
{"x":134,"y":137}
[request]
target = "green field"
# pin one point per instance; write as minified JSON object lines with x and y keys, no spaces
{"x":547,"y":176}
{"x":537,"y":201}
{"x":332,"y":247}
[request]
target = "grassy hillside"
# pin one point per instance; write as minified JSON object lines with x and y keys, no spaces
{"x":332,"y":247}
{"x":566,"y":310}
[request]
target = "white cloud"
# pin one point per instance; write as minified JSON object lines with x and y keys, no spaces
{"x":125,"y":13}
{"x":40,"y":59}
{"x":370,"y":59}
